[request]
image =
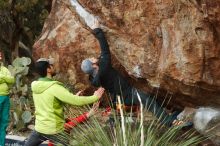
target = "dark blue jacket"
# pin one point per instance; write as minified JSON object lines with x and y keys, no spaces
{"x":107,"y":76}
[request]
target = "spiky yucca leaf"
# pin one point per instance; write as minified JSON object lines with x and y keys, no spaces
{"x":140,"y":132}
{"x":96,"y":133}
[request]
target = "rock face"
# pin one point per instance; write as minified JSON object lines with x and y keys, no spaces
{"x":171,"y":44}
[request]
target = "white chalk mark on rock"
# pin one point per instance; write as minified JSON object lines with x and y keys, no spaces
{"x":89,"y":18}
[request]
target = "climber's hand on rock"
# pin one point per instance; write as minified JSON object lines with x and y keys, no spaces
{"x":96,"y":23}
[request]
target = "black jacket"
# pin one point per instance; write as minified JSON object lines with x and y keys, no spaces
{"x":107,"y":76}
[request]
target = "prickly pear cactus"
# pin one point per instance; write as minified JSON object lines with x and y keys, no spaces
{"x":26,"y":116}
{"x":20,"y":66}
{"x":21,"y":107}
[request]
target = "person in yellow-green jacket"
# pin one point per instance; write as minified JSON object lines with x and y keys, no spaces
{"x":6,"y":79}
{"x":49,"y":96}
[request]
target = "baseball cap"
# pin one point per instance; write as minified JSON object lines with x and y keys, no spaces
{"x":49,"y":60}
{"x":86,"y":66}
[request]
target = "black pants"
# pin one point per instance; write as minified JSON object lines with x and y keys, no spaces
{"x":151,"y":105}
{"x":37,"y":138}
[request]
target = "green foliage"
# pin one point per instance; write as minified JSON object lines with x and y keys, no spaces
{"x":123,"y":128}
{"x":4,"y":4}
{"x":21,"y":21}
{"x":23,"y":6}
{"x":33,"y":25}
{"x":20,"y":66}
{"x":94,"y":133}
{"x":20,"y":103}
{"x":18,"y":69}
{"x":26,"y":116}
{"x":99,"y":132}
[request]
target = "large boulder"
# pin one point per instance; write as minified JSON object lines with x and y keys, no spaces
{"x":170,"y":44}
{"x":207,"y":122}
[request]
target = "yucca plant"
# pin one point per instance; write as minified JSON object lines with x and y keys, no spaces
{"x":122,"y":129}
{"x":95,"y":133}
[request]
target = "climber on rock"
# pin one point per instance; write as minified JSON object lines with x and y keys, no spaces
{"x":102,"y":74}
